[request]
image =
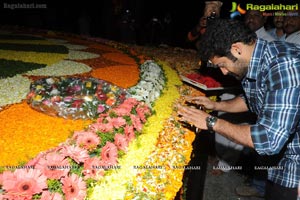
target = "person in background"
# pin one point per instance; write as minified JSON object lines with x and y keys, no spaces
{"x":292,"y":27}
{"x":277,"y":32}
{"x":270,"y":76}
{"x":255,"y":20}
{"x":211,"y":10}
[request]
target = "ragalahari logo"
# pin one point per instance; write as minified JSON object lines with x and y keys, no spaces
{"x":236,"y":10}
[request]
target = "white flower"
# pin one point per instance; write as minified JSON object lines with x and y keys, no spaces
{"x":54,"y":92}
{"x":75,"y":46}
{"x":152,"y":81}
{"x":13,"y":90}
{"x":81,"y":55}
{"x":50,"y":81}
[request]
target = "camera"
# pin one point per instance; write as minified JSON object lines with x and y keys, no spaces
{"x":212,"y":16}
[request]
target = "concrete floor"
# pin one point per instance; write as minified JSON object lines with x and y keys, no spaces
{"x":204,"y":184}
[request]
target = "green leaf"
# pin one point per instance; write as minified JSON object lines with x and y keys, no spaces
{"x":106,"y":137}
{"x":54,"y":186}
{"x":9,"y":68}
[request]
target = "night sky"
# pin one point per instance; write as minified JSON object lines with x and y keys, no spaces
{"x":106,"y":18}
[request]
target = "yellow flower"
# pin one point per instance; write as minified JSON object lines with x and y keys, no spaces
{"x":34,"y":57}
{"x":39,"y":87}
{"x":38,"y":98}
{"x":88,"y":84}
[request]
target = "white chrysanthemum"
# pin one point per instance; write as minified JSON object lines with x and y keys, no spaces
{"x":75,"y":46}
{"x":13,"y":90}
{"x":62,"y":68}
{"x":152,"y":81}
{"x":80,"y":55}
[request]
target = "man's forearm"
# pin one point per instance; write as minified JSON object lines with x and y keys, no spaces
{"x":233,"y":105}
{"x":237,"y":133}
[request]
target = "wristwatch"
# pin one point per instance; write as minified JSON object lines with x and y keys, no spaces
{"x":210,"y":122}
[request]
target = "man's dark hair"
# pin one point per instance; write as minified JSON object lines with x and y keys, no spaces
{"x":220,"y":34}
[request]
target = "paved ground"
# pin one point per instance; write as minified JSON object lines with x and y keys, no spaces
{"x":222,"y":187}
{"x":207,"y":183}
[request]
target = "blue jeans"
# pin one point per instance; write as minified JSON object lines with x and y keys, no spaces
{"x":260,"y":185}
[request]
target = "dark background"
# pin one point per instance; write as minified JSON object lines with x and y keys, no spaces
{"x":133,"y":21}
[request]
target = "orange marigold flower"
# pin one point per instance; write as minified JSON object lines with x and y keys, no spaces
{"x":119,"y":57}
{"x":121,"y":75}
{"x":28,"y":132}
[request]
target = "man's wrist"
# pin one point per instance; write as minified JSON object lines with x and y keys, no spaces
{"x":211,"y":122}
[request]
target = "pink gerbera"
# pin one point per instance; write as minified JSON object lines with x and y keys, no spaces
{"x":74,"y":187}
{"x":129,"y":133}
{"x":87,"y":139}
{"x":93,"y":168}
{"x":46,"y":195}
{"x":116,"y":122}
{"x":131,"y":101}
{"x":24,"y":183}
{"x":103,"y":127}
{"x":126,"y":107}
{"x":142,"y":111}
{"x":122,"y":110}
{"x":35,"y":160}
{"x":121,"y":142}
{"x":53,"y":165}
{"x":78,"y":154}
{"x":137,"y":124}
{"x":109,"y":153}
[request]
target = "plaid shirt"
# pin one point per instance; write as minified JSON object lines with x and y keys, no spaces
{"x":272,"y":89}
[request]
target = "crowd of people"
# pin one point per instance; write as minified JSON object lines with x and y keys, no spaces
{"x":265,"y":57}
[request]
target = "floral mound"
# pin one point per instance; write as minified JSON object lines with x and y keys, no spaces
{"x":74,"y":97}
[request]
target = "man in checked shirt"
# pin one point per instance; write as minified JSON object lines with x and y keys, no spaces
{"x":270,"y":76}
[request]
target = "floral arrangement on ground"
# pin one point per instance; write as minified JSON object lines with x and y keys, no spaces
{"x":135,"y":148}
